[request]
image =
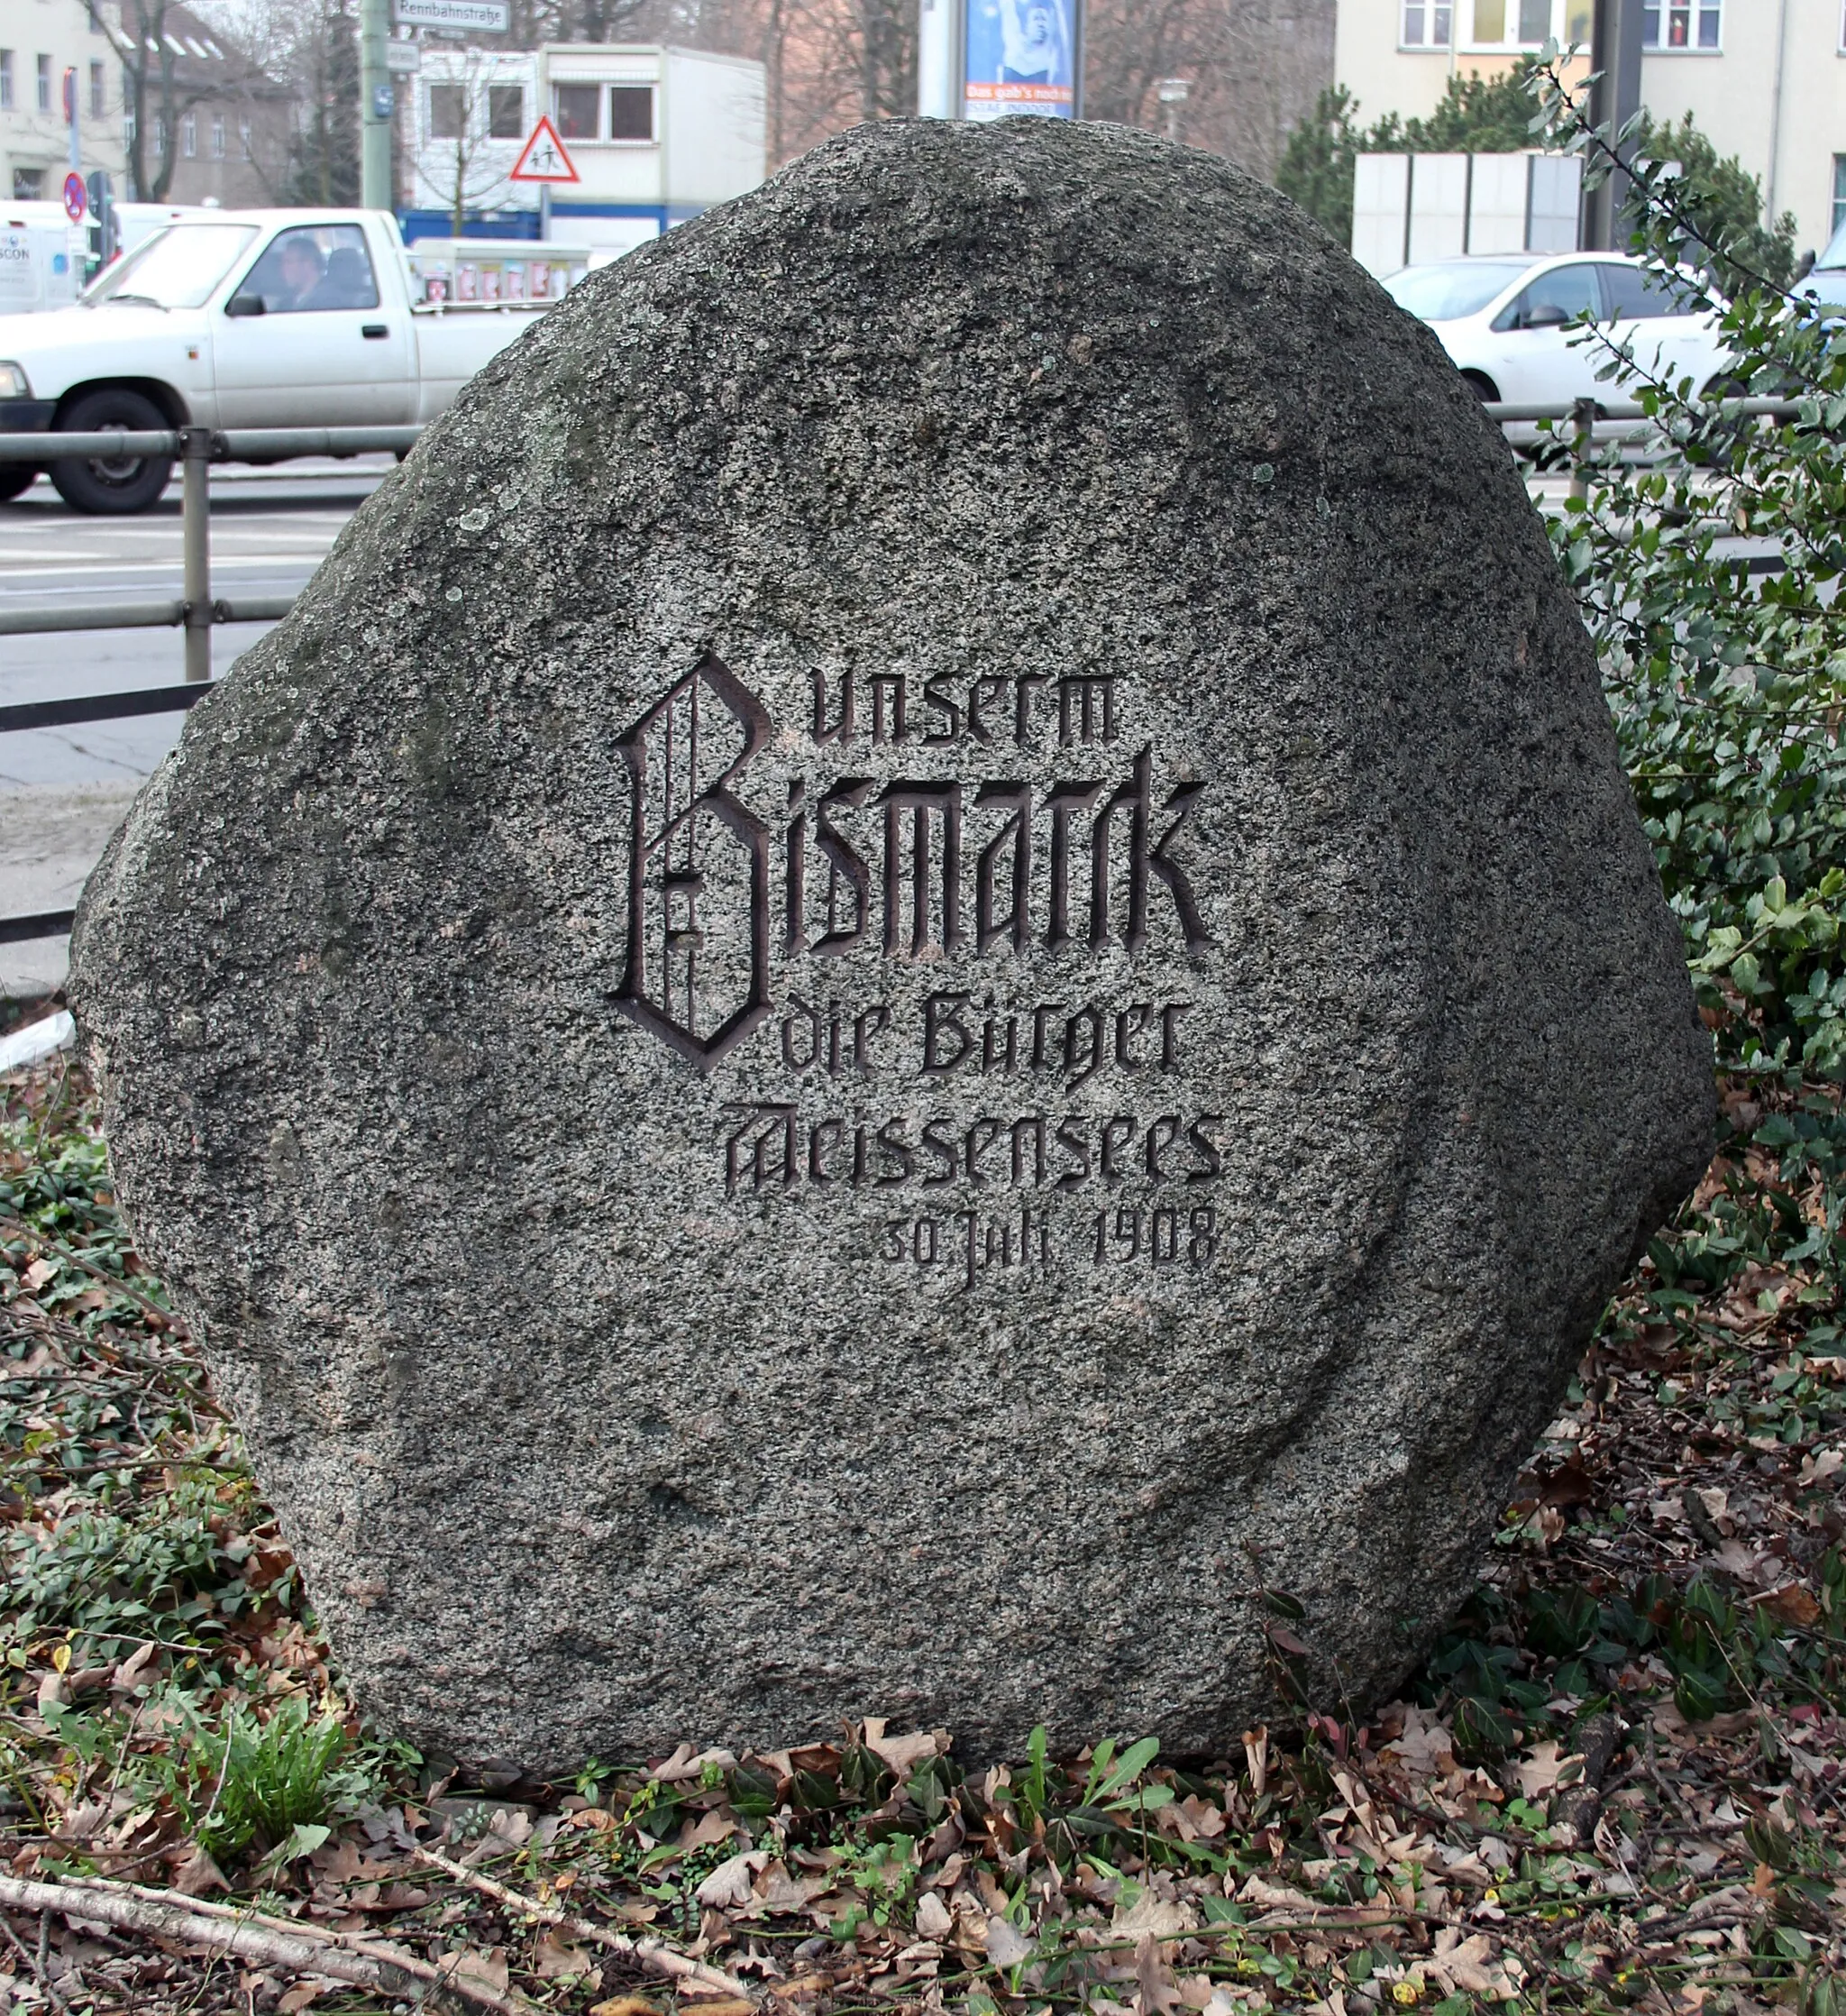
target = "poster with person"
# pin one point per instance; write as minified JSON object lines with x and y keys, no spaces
{"x":1021,"y":56}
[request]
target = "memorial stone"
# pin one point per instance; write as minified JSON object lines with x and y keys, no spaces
{"x":924,"y":961}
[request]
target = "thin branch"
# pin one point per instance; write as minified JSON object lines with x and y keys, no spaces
{"x":651,"y":1954}
{"x":295,"y":1948}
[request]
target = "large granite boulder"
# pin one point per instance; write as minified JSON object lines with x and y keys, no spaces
{"x":926,"y":958}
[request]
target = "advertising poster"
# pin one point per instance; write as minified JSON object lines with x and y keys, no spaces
{"x":1021,"y":56}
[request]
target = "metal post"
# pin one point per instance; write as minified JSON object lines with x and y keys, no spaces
{"x":936,"y":59}
{"x":1583,"y":421}
{"x":196,"y":533}
{"x":1615,"y":99}
{"x":377,"y":99}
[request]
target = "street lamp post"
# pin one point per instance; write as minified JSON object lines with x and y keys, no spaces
{"x":377,"y":102}
{"x":1173,"y":92}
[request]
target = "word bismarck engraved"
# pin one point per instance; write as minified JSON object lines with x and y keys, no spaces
{"x":728,"y":909}
{"x":693,"y":834}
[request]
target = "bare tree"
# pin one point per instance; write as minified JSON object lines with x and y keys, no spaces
{"x":162,"y":81}
{"x":459,"y":135}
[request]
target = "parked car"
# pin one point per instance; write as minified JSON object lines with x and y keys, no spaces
{"x":1515,"y":324}
{"x":1826,"y":280}
{"x":256,"y":318}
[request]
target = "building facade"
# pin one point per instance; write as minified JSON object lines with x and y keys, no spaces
{"x":656,"y":134}
{"x":40,"y":41}
{"x":1763,"y":79}
{"x":200,"y":121}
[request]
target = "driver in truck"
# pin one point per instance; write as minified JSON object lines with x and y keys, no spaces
{"x":301,"y":267}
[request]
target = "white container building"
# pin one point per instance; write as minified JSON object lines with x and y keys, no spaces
{"x":655,"y":133}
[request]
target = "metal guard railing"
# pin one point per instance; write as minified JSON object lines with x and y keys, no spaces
{"x":197,"y":448}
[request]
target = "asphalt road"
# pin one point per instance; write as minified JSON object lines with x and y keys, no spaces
{"x":64,"y":791}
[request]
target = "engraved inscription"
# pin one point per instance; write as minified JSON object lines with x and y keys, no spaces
{"x":763,"y":891}
{"x":770,"y":1145}
{"x":688,"y":828}
{"x":908,"y":869}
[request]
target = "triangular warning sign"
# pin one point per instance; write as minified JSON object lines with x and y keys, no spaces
{"x":543,"y":158}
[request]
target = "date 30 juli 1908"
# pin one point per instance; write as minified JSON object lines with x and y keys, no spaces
{"x":975,"y":1243}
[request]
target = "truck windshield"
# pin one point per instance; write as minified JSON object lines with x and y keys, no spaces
{"x":1444,"y":293}
{"x":178,"y":268}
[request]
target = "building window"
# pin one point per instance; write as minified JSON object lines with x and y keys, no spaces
{"x":243,"y":140}
{"x":1511,"y":24}
{"x":1682,"y":24}
{"x":217,"y":136}
{"x":579,"y":113}
{"x":1839,"y":193}
{"x":448,"y":110}
{"x":6,"y":80}
{"x":44,"y":84}
{"x":96,"y":90}
{"x":28,"y":185}
{"x":631,"y":112}
{"x":1428,"y":25}
{"x":188,"y":135}
{"x":506,"y":112}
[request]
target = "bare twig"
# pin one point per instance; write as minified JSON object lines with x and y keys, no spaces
{"x":16,"y":1228}
{"x":36,"y":1962}
{"x":292,"y":1945}
{"x":651,"y":1954}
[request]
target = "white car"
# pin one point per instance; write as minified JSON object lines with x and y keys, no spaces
{"x":257,"y":318}
{"x":1514,"y":323}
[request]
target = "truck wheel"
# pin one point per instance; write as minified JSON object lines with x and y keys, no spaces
{"x":15,"y":479}
{"x":127,"y":484}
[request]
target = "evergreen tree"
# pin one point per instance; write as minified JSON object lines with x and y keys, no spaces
{"x":1724,"y":201}
{"x":1316,"y":166}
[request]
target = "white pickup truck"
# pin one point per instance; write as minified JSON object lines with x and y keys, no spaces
{"x":251,"y":318}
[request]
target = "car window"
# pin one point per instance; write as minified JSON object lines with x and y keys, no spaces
{"x":1572,"y":288}
{"x":177,"y":267}
{"x":1632,"y":294}
{"x":311,"y":269}
{"x":1456,"y":287}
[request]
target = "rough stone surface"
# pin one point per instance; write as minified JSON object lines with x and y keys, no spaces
{"x":680,"y":1281}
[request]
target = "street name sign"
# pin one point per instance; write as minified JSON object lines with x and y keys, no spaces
{"x":483,"y":17}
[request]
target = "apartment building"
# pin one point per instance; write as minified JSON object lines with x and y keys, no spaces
{"x":40,"y":41}
{"x":1765,"y":79}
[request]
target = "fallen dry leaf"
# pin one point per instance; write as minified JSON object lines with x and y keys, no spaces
{"x":1155,"y":1989}
{"x":1791,"y":1604}
{"x":1005,"y":1945}
{"x":934,"y":1918}
{"x":556,"y":1959}
{"x":1155,"y":1917}
{"x":903,"y":1754}
{"x":733,"y":1883}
